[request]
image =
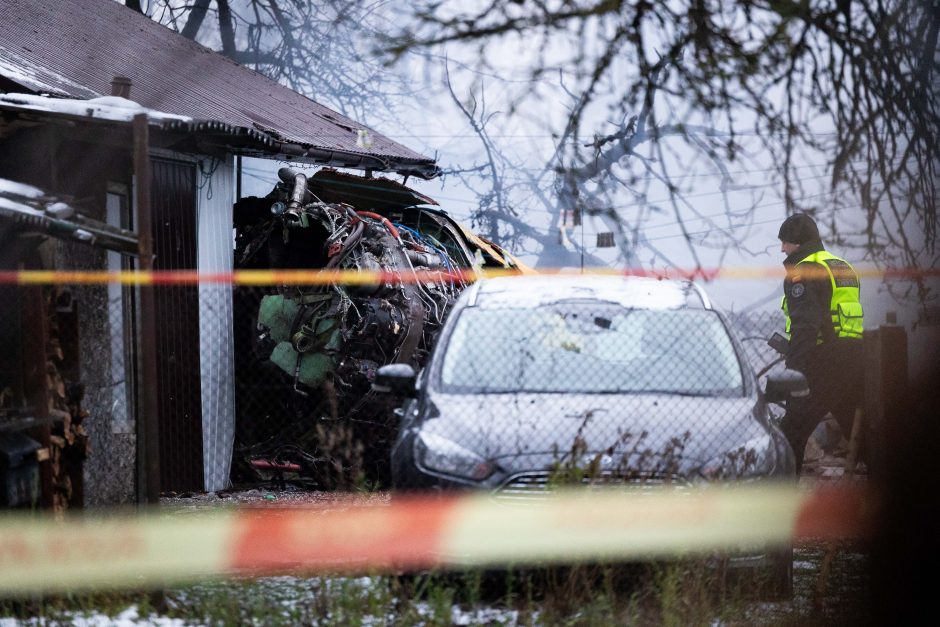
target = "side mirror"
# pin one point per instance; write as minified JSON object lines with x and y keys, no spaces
{"x":397,"y":379}
{"x":786,"y":385}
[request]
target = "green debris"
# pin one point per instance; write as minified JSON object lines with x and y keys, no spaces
{"x":311,"y":353}
{"x":277,"y":313}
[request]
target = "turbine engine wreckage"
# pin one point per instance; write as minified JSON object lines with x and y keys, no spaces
{"x":321,"y":345}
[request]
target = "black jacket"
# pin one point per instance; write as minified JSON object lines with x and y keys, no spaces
{"x":809,"y":295}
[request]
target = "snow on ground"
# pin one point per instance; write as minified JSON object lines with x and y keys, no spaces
{"x":130,"y":617}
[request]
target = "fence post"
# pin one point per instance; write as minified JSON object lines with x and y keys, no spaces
{"x":886,"y":389}
{"x":148,"y":431}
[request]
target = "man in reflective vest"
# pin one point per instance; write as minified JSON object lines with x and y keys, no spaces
{"x":824,"y":323}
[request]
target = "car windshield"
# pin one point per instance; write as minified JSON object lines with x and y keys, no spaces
{"x":591,"y":347}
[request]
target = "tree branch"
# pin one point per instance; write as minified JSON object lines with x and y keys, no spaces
{"x":194,"y":22}
{"x":226,"y":28}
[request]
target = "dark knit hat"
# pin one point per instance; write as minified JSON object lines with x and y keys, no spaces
{"x":798,"y":229}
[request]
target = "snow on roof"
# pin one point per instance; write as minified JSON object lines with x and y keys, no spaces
{"x":14,"y":188}
{"x":7,"y":205}
{"x":110,"y":108}
{"x":22,"y":199}
{"x":628,"y":291}
{"x":39,"y":79}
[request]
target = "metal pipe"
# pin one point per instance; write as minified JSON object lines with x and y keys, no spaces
{"x":348,"y":243}
{"x":121,"y":87}
{"x":298,"y":191}
{"x":424,"y":259}
{"x":148,"y":429}
{"x":238,"y":177}
{"x":388,"y":223}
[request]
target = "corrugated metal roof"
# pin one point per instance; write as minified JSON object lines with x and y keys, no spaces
{"x":189,"y":135}
{"x":75,"y":48}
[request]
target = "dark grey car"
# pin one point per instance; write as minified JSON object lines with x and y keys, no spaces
{"x":538,"y":380}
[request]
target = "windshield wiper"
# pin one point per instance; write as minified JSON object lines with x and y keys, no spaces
{"x":680,"y":393}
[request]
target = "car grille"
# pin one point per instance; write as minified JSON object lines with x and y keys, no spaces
{"x":537,"y":485}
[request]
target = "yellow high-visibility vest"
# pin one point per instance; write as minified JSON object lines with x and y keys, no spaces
{"x":845,"y":309}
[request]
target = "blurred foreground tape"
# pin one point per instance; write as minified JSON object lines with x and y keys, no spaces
{"x":363,"y":277}
{"x":164,"y":547}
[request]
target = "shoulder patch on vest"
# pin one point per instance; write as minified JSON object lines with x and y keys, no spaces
{"x":797,"y":290}
{"x":842,"y":273}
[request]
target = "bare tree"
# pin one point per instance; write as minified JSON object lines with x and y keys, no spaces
{"x":502,"y":197}
{"x":316,"y":48}
{"x":851,"y":80}
{"x":585,"y":180}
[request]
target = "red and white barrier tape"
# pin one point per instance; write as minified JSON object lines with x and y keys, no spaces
{"x":416,"y":532}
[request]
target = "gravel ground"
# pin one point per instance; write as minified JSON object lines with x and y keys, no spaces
{"x":266,"y":496}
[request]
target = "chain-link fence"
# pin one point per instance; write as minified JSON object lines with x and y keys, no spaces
{"x":515,"y":387}
{"x":306,"y":358}
{"x":512,"y":384}
{"x":529,"y":390}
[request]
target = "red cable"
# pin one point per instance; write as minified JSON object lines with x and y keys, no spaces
{"x":385,"y":221}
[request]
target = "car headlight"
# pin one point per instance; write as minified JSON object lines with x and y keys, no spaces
{"x":438,"y":453}
{"x":754,"y":458}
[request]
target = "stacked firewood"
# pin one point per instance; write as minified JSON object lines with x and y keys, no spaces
{"x":69,"y":442}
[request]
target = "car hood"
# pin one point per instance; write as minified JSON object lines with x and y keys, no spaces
{"x":523,"y":432}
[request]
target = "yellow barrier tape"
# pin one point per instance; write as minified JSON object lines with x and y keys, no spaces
{"x":118,"y":552}
{"x":356,"y":277}
{"x":614,"y":526}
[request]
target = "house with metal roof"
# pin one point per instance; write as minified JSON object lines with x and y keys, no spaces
{"x":73,"y":77}
{"x":75,"y":49}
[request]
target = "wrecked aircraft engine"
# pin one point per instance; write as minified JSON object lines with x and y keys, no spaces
{"x":327,"y":341}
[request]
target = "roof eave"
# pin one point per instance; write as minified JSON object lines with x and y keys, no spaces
{"x":212,"y":135}
{"x":256,"y":143}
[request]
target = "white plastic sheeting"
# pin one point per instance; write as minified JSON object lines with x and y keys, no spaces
{"x":216,"y":339}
